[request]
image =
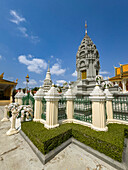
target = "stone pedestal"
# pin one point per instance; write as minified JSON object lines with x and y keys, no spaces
{"x":38,"y":104}
{"x":109,"y":108}
{"x":98,"y":110}
{"x":13,"y":130}
{"x":5,"y":119}
{"x":52,"y":98}
{"x":70,"y":103}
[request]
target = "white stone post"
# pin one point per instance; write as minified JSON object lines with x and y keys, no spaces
{"x":70,"y":104}
{"x":98,"y":109}
{"x":109,"y":109}
{"x":20,"y":97}
{"x":38,"y":104}
{"x":124,"y":86}
{"x":5,"y":119}
{"x":13,"y":130}
{"x":52,"y":98}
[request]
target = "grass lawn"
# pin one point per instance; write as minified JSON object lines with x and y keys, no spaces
{"x":110,"y":143}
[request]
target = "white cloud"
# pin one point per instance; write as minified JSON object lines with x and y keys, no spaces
{"x":57,"y":70}
{"x":34,"y":39}
{"x":41,"y":81}
{"x":1,"y":57}
{"x":103,"y":72}
{"x":105,"y":78}
{"x":31,"y":82}
{"x":16,"y":17}
{"x":60,"y":82}
{"x":30,"y":56}
{"x":23,"y":30}
{"x":35,"y":65}
{"x":74,"y":74}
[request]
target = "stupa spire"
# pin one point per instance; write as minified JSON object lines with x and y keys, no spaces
{"x":86,"y":27}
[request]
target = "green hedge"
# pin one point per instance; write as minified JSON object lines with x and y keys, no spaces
{"x":110,"y":143}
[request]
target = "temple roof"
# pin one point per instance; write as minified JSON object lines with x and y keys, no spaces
{"x":120,"y":73}
{"x":3,"y":81}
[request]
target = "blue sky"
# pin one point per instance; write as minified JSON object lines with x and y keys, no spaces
{"x":34,"y":32}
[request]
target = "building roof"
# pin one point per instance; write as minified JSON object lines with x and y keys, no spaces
{"x":120,"y":73}
{"x":3,"y":81}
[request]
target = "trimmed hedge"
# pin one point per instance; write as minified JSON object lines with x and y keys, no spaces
{"x":110,"y":143}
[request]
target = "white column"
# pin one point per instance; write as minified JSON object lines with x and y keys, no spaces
{"x":70,"y":104}
{"x":109,"y":108}
{"x":38,"y":104}
{"x":13,"y":130}
{"x":98,"y":110}
{"x":124,"y":86}
{"x":5,"y":119}
{"x":52,"y":98}
{"x":20,"y":97}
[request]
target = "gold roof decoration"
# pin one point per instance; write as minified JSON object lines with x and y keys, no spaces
{"x":1,"y":76}
{"x":27,"y":77}
{"x":16,"y":80}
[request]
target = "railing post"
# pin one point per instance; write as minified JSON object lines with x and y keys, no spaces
{"x":52,"y":98}
{"x":13,"y":130}
{"x":5,"y":119}
{"x":70,"y":103}
{"x":109,"y":108}
{"x":38,"y":104}
{"x":98,"y":110}
{"x":20,"y":97}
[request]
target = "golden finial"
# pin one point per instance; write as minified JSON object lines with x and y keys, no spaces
{"x":114,"y":67}
{"x":1,"y":76}
{"x":86,"y":27}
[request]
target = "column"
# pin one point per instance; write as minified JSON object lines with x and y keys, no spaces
{"x":11,"y":93}
{"x":52,"y":98}
{"x":124,"y":86}
{"x":109,"y":108}
{"x":20,"y":97}
{"x":38,"y":104}
{"x":70,"y":103}
{"x":98,"y":110}
{"x":5,"y":119}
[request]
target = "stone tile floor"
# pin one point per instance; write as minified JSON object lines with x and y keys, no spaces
{"x":16,"y":154}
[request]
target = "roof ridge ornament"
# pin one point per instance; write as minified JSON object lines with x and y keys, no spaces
{"x":86,"y":27}
{"x":1,"y":76}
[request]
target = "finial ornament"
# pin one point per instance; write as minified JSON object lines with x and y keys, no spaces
{"x":86,"y":27}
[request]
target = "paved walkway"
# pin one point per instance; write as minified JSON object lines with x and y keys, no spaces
{"x":16,"y":154}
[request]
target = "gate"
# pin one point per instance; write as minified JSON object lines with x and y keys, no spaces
{"x":43,"y":115}
{"x":120,"y":108}
{"x":83,"y":109}
{"x":62,"y":109}
{"x":29,"y":100}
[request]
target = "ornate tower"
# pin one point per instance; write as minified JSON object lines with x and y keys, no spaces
{"x":87,"y":59}
{"x":47,"y":82}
